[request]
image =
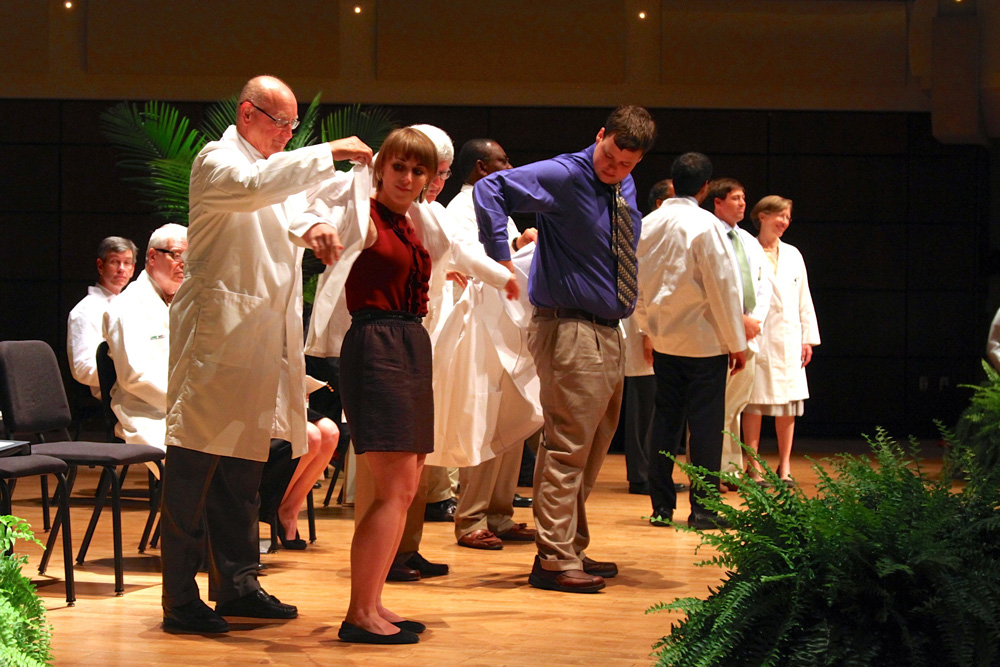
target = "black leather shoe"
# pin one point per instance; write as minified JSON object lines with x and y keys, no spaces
{"x":256,"y":605}
{"x":399,"y":572}
{"x":355,"y":635}
{"x":194,"y":617}
{"x":425,"y":567}
{"x":441,"y":511}
{"x":664,"y":514}
{"x":707,"y":521}
{"x":679,"y":486}
{"x":521,"y":501}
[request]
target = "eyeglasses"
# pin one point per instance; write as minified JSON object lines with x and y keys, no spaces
{"x":279,"y":123}
{"x":444,"y":175}
{"x":176,"y":255}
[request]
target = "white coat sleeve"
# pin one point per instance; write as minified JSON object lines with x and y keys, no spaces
{"x":721,"y":288}
{"x":327,"y":201}
{"x":228,"y":181}
{"x":807,"y":312}
{"x":83,"y":337}
{"x":993,"y":342}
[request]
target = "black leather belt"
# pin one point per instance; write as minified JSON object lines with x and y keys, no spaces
{"x":372,"y":315}
{"x":576,"y":314}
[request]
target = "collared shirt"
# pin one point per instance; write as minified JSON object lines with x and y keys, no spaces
{"x":758,"y":275}
{"x":84,"y":335}
{"x":574,"y":264}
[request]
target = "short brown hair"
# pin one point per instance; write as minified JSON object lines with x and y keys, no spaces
{"x":720,"y":188}
{"x":632,"y":127}
{"x":406,"y":143}
{"x":769,"y":204}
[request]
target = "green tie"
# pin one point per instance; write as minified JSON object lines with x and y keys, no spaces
{"x":749,"y":298}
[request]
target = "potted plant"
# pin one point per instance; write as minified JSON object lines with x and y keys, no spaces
{"x":25,"y":635}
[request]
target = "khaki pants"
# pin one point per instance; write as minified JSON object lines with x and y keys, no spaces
{"x":487,"y":498}
{"x":581,"y":369}
{"x":738,"y":389}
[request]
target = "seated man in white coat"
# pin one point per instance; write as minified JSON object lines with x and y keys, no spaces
{"x":115,"y":265}
{"x":137,"y":328}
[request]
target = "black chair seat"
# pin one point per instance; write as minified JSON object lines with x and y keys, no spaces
{"x":13,"y":467}
{"x":79,"y":453}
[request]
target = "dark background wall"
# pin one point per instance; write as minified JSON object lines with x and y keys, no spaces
{"x":894,"y":227}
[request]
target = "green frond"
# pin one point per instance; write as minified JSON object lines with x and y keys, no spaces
{"x":371,"y":124}
{"x":218,"y":116}
{"x":305,"y":135}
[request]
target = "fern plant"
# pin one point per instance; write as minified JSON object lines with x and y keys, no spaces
{"x":975,"y":440}
{"x":884,"y":566}
{"x":25,"y":635}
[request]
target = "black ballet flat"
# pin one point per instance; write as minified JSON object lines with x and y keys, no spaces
{"x":292,"y":545}
{"x":410,"y":626}
{"x":355,"y":635}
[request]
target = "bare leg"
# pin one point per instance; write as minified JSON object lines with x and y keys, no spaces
{"x":322,"y":444}
{"x":377,"y":534}
{"x":785,"y":426}
{"x":751,"y":438}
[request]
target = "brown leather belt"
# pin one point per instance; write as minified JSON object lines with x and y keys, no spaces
{"x":576,"y":314}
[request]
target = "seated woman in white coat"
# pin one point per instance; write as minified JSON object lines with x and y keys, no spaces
{"x":788,"y":335}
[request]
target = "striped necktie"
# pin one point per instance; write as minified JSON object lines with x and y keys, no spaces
{"x":749,"y":298}
{"x":623,"y":246}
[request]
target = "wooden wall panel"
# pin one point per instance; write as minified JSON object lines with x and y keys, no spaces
{"x":24,"y":33}
{"x":187,"y":38}
{"x":556,"y":41}
{"x":782,"y":42}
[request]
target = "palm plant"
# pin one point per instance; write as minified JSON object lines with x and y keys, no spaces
{"x":158,"y":147}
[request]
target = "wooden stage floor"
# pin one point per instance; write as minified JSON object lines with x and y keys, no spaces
{"x":483,"y":613}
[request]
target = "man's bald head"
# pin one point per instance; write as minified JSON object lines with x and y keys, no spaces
{"x":264,"y":102}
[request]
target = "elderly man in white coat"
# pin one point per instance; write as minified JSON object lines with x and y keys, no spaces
{"x":690,"y":314}
{"x":727,"y":200}
{"x":115,"y":265}
{"x":237,"y":371}
{"x":137,"y":329}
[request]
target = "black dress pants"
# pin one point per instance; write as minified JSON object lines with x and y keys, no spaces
{"x":690,"y":395}
{"x":640,"y":394}
{"x":209,"y":499}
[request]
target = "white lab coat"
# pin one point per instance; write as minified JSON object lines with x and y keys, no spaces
{"x":348,"y":212}
{"x":83,"y":335}
{"x":689,"y":297}
{"x":790,"y":322}
{"x":237,"y":372}
{"x":137,"y":328}
{"x":484,"y":337}
{"x":759,"y":274}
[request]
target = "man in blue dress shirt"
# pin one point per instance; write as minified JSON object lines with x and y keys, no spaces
{"x":582,"y":282}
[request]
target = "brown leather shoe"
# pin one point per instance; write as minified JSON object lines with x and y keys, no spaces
{"x":399,"y":572}
{"x":519,"y":532}
{"x":480,"y":539}
{"x":605,"y":569}
{"x":566,"y":581}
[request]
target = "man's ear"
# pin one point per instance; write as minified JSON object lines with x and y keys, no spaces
{"x":600,"y":135}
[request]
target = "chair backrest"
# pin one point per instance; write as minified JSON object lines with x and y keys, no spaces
{"x":107,"y":376}
{"x":32,"y":396}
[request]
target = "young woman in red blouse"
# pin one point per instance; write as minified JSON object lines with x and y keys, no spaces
{"x":386,"y":379}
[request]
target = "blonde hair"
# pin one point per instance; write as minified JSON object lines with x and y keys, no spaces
{"x":406,"y":143}
{"x":769,"y":204}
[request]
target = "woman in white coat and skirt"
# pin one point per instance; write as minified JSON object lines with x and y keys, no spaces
{"x":788,"y":335}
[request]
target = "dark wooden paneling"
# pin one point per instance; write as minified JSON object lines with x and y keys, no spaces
{"x":30,"y":247}
{"x":861,"y":323}
{"x":30,"y":177}
{"x":842,"y":188}
{"x":852,"y":255}
{"x":830,"y":133}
